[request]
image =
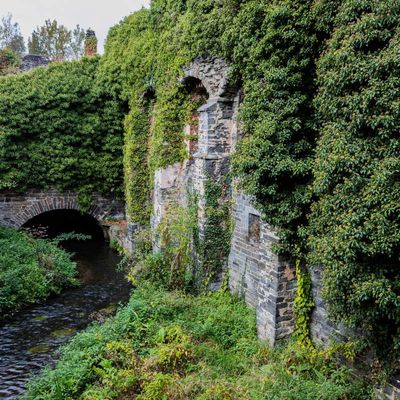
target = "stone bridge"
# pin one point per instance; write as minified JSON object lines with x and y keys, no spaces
{"x":18,"y":208}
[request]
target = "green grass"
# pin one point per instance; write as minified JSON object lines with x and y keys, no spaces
{"x":30,"y":270}
{"x":170,"y":345}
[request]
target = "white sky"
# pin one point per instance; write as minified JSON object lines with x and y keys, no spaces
{"x":100,"y":15}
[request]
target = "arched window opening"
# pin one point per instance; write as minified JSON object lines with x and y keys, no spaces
{"x":198,"y":96}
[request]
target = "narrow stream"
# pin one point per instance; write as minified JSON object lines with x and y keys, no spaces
{"x":30,"y":340}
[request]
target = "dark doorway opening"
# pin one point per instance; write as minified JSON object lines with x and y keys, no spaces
{"x":53,"y":223}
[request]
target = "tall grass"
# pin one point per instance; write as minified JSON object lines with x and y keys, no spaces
{"x":170,"y":345}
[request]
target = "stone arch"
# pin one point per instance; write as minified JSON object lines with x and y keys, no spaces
{"x":16,"y":209}
{"x":213,"y":74}
{"x":217,"y":117}
{"x":215,"y":128}
{"x":59,"y":221}
{"x":42,"y":205}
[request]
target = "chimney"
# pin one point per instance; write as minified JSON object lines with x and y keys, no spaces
{"x":90,"y":43}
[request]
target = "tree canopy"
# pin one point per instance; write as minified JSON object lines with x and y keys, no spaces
{"x":57,"y":42}
{"x":10,"y":35}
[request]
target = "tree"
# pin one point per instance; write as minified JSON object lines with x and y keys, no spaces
{"x":56,"y":41}
{"x":10,"y":35}
{"x":77,"y":43}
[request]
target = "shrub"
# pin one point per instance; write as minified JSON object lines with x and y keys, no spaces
{"x":173,"y":264}
{"x":59,"y":128}
{"x":31,"y":270}
{"x":9,"y":62}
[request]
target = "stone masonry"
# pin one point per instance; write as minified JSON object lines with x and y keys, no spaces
{"x":324,"y":331}
{"x":267,"y":283}
{"x":209,"y":159}
{"x":16,"y":208}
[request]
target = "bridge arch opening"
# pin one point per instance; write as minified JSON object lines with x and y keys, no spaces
{"x":56,"y":222}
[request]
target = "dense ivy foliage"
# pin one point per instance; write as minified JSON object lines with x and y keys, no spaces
{"x":167,"y":345}
{"x":355,"y":223}
{"x":142,"y":63}
{"x":59,"y":128}
{"x":320,"y":153}
{"x":275,"y":158}
{"x":319,"y":116}
{"x":213,"y":247}
{"x":302,"y":306}
{"x":136,"y":168}
{"x":31,"y":270}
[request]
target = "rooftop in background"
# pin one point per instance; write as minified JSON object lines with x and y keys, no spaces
{"x":31,"y":61}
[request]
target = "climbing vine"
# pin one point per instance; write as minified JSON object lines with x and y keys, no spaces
{"x":136,"y":169}
{"x":303,"y":305}
{"x":355,"y":222}
{"x":214,"y":242}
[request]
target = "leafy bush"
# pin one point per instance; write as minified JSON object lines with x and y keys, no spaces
{"x":9,"y":62}
{"x":59,"y":128}
{"x":355,"y":223}
{"x":169,"y":345}
{"x":30,"y":270}
{"x":173,"y":264}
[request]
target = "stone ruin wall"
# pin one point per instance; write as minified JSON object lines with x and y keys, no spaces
{"x":215,"y":130}
{"x":266,"y":282}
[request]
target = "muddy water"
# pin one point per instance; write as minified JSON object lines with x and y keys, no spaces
{"x":30,"y":340}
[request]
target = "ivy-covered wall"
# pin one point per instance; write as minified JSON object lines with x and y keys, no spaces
{"x":355,"y":221}
{"x":320,"y":120}
{"x":319,"y":153}
{"x":59,"y":128}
